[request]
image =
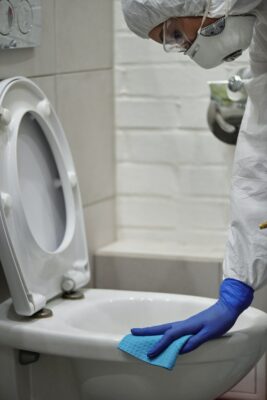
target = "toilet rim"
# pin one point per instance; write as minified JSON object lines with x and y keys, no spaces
{"x":56,"y":336}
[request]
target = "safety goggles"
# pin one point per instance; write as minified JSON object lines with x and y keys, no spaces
{"x":214,"y":29}
{"x":174,"y":40}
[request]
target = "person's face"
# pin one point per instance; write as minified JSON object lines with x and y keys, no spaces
{"x":187,"y":25}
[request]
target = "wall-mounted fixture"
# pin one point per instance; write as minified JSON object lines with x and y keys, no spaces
{"x":20,"y":23}
{"x":227,"y":105}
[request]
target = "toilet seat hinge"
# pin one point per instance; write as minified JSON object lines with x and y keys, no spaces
{"x":77,"y":295}
{"x":75,"y":278}
{"x":43,"y":313}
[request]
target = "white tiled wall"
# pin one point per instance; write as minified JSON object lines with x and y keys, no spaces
{"x":173,"y":175}
{"x":74,"y":67}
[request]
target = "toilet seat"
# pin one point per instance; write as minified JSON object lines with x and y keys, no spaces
{"x":42,"y":236}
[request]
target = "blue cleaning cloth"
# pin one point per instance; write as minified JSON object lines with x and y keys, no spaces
{"x":138,"y":346}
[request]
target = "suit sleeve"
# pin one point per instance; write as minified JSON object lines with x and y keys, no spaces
{"x":246,"y":248}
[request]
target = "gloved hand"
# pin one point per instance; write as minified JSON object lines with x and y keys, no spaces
{"x":235,"y":297}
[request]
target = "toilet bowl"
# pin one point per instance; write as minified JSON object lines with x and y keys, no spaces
{"x":87,"y":332}
{"x":44,"y":256}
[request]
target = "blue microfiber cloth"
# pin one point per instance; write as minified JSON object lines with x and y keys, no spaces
{"x":138,"y":346}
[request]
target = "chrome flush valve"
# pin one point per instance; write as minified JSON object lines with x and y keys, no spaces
{"x":235,"y":83}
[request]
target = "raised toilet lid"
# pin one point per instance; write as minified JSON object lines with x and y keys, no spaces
{"x":42,"y":237}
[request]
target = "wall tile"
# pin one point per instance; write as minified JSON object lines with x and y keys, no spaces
{"x":207,"y":149}
{"x":212,"y":240}
{"x":100,"y":227}
{"x":168,"y":80}
{"x":142,"y":146}
{"x":162,"y":113}
{"x":119,"y":22}
{"x":146,"y":235}
{"x":193,"y":114}
{"x":204,"y":181}
{"x":84,"y":103}
{"x":148,"y":113}
{"x":157,"y":275}
{"x":146,"y":179}
{"x":172,"y":146}
{"x":100,"y":223}
{"x":37,"y":61}
{"x":147,"y":212}
{"x":84,"y":34}
{"x":197,"y":213}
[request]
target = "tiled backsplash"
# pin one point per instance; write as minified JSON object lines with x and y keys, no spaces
{"x":173,"y":175}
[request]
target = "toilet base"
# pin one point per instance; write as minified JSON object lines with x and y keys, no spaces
{"x":67,"y":378}
{"x":136,"y":380}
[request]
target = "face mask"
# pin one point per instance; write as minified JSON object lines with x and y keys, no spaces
{"x":224,"y":40}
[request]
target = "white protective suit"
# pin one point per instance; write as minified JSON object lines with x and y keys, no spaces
{"x":246,"y":248}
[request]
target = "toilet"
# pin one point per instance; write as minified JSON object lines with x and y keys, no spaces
{"x":59,"y":339}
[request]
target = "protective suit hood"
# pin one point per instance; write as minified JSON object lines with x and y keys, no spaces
{"x":142,"y":16}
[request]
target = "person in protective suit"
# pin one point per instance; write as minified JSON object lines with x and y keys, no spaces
{"x":212,"y":32}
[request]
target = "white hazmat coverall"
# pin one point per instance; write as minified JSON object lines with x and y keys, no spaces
{"x":245,"y":262}
{"x":246,"y":248}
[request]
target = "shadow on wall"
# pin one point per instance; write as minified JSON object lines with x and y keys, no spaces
{"x":4,"y":291}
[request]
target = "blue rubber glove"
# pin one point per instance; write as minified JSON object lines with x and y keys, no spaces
{"x":235,"y":297}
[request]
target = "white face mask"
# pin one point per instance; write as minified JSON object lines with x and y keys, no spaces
{"x":224,"y":40}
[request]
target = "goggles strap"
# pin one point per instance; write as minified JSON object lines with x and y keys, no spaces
{"x":205,"y":14}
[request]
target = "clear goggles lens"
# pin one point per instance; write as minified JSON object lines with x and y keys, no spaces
{"x":214,"y":29}
{"x":173,"y":39}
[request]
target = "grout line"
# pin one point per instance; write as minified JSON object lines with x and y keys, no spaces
{"x":176,"y":198}
{"x":86,"y":205}
{"x":55,"y":74}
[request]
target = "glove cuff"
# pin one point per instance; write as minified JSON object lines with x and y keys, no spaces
{"x":236,"y":294}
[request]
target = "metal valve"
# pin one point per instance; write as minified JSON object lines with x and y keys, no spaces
{"x":235,"y":83}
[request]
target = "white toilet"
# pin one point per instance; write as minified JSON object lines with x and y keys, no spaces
{"x":66,"y":347}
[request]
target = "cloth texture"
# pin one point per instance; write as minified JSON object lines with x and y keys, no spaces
{"x":142,"y":16}
{"x":139,"y":346}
